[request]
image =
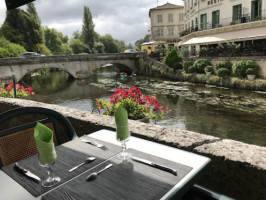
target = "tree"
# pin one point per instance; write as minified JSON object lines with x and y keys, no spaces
{"x":53,"y":41}
{"x":9,"y":49}
{"x":88,"y":28}
{"x":20,"y":28}
{"x":76,"y":35}
{"x":78,"y":46}
{"x":99,"y":47}
{"x":140,"y":41}
{"x":109,"y":44}
{"x":121,"y":44}
{"x":173,"y":59}
{"x":130,"y":46}
{"x":33,"y":12}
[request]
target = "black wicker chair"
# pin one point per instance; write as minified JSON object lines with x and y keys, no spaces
{"x":17,"y":128}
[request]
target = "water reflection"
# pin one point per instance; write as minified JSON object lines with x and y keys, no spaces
{"x":184,"y":113}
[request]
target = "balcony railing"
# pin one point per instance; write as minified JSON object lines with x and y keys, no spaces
{"x":245,"y":18}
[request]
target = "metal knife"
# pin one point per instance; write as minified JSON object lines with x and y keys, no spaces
{"x":158,"y":166}
{"x":27,"y":173}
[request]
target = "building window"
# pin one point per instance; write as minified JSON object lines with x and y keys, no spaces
{"x":237,"y":12}
{"x":170,"y":17}
{"x":203,"y":22}
{"x":256,"y":10}
{"x":171,"y":31}
{"x":160,"y":32}
{"x":215,"y":18}
{"x":159,"y":18}
{"x":181,"y":17}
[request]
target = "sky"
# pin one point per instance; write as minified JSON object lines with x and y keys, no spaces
{"x":126,"y":20}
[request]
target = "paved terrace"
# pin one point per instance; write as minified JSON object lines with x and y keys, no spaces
{"x":237,"y":169}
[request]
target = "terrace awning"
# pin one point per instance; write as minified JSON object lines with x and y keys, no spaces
{"x":232,"y":36}
{"x":12,"y":4}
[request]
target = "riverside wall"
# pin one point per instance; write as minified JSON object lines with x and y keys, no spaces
{"x":237,"y":169}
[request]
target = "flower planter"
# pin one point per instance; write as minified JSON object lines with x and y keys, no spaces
{"x":251,"y":77}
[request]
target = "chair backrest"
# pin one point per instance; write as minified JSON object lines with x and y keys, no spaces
{"x":16,"y":136}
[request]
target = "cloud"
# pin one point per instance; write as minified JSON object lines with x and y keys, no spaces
{"x":126,"y":20}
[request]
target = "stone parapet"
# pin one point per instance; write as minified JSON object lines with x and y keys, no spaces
{"x":237,"y":170}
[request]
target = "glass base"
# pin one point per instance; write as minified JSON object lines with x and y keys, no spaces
{"x":51,"y":181}
{"x":124,"y":155}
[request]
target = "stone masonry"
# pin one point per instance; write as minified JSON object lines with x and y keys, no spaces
{"x":237,"y":169}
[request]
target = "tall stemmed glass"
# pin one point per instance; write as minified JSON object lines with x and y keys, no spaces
{"x":122,"y":131}
{"x":47,"y":157}
{"x":123,"y":135}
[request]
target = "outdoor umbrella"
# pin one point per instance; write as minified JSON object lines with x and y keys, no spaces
{"x":12,"y":4}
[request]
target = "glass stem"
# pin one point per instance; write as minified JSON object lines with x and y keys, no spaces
{"x":124,"y":147}
{"x":50,"y":172}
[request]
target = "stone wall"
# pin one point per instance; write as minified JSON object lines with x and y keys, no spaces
{"x":237,"y":170}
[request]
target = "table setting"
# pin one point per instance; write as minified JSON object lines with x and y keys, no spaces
{"x":98,"y":167}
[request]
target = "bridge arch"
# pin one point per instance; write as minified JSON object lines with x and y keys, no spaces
{"x":78,"y":66}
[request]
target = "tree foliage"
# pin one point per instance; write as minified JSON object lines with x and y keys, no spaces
{"x":9,"y":49}
{"x":140,"y":41}
{"x":109,"y":43}
{"x":88,"y":28}
{"x":42,"y":49}
{"x":173,"y":59}
{"x":20,"y":28}
{"x":99,"y":47}
{"x":33,"y":12}
{"x":54,"y":40}
{"x":78,"y":46}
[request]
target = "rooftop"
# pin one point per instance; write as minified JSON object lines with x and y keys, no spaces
{"x":166,"y":6}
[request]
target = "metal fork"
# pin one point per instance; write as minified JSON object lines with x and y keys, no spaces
{"x":101,"y":146}
{"x":67,"y":196}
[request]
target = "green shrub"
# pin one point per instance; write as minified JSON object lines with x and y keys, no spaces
{"x":192,"y":69}
{"x":13,"y":49}
{"x":240,"y":67}
{"x":222,"y":72}
{"x":187,"y":64}
{"x":208,"y":69}
{"x":251,"y":71}
{"x":4,"y":53}
{"x":177,"y":65}
{"x":42,"y":49}
{"x":224,"y":64}
{"x":200,"y":65}
{"x":172,"y":58}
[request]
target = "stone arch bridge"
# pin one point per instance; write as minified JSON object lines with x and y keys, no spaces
{"x":79,"y":66}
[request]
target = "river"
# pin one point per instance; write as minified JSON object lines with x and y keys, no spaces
{"x":222,"y":112}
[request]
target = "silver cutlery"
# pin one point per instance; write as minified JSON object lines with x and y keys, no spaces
{"x":88,"y":160}
{"x":152,"y":164}
{"x":27,"y":173}
{"x":94,"y":143}
{"x":67,"y":196}
{"x":94,"y":175}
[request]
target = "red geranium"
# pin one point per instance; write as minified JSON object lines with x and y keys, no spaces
{"x":137,"y":105}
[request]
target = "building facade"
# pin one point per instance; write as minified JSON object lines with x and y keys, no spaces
{"x":167,"y":23}
{"x":208,"y":14}
{"x":221,"y":21}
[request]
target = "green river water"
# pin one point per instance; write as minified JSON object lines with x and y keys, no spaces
{"x":225,"y":113}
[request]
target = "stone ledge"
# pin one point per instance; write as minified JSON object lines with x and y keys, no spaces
{"x":237,"y":169}
{"x":250,"y":155}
